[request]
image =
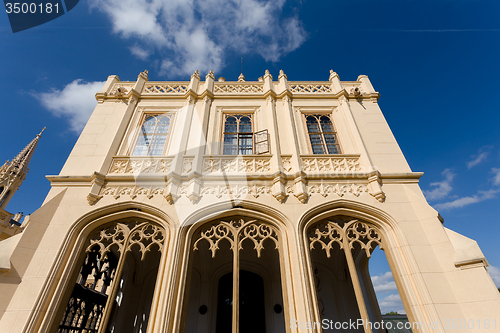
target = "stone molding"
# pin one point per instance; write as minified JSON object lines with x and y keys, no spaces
{"x":133,"y":192}
{"x":134,"y":165}
{"x":331,"y":164}
{"x":242,"y":164}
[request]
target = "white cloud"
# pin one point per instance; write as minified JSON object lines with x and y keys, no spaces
{"x":496,"y":179}
{"x":461,"y":202}
{"x":392,"y":303}
{"x":139,"y":52}
{"x":443,"y":188}
{"x":478,"y":159}
{"x":383,"y":283}
{"x":495,"y":275}
{"x":75,"y":102}
{"x":195,"y":34}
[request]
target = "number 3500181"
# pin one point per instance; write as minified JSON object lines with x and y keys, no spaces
{"x":31,"y":8}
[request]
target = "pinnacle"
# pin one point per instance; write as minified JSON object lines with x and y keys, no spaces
{"x":18,"y":167}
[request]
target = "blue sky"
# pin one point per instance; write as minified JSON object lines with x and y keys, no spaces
{"x":435,"y":64}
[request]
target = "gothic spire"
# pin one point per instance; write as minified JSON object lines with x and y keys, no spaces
{"x":17,"y":169}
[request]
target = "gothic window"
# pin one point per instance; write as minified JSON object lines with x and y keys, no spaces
{"x":322,"y":136}
{"x":239,"y":137}
{"x":115,"y":285}
{"x":153,"y":135}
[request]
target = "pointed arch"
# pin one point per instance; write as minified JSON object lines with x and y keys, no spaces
{"x":387,"y":234}
{"x":271,"y":227}
{"x":66,"y":268}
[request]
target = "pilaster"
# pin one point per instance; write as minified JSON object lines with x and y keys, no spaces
{"x":112,"y":79}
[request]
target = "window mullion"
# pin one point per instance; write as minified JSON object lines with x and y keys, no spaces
{"x":321,"y":136}
{"x":238,"y":142}
{"x":114,"y":289}
{"x":153,"y":135}
{"x":238,"y":136}
{"x":323,"y":143}
{"x":236,"y":285}
{"x":355,"y":283}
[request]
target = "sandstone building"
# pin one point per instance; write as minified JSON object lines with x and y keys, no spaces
{"x":214,"y":206}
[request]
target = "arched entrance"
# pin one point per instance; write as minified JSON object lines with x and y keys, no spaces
{"x":234,"y":278}
{"x":114,"y":288}
{"x":339,"y":248}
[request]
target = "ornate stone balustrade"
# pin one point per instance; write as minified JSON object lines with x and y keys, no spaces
{"x":250,"y":164}
{"x":238,"y":88}
{"x":135,"y":165}
{"x":162,"y":88}
{"x":310,"y":88}
{"x":346,"y":163}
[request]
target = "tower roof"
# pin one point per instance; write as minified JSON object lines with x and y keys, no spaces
{"x":18,"y":167}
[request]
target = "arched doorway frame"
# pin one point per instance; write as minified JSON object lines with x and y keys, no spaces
{"x":57,"y":287}
{"x":403,"y":266}
{"x":220,"y":211}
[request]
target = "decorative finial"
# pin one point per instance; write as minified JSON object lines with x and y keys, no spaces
{"x":268,"y":75}
{"x":282,"y":74}
{"x":332,"y":75}
{"x":196,"y":74}
{"x":144,"y":74}
{"x":241,"y":78}
{"x":40,"y":134}
{"x":210,"y":74}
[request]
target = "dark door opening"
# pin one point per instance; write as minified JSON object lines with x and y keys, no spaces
{"x":252,"y":311}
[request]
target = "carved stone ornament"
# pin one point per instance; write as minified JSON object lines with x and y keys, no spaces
{"x":236,"y":191}
{"x":238,"y":88}
{"x":345,"y":234}
{"x":236,"y":232}
{"x":158,"y":88}
{"x":282,"y":75}
{"x":240,"y":164}
{"x":310,"y":88}
{"x":338,"y":189}
{"x":210,"y":75}
{"x":126,"y":236}
{"x":187,"y":165}
{"x":120,"y":89}
{"x":287,"y":164}
{"x":140,"y":165}
{"x":196,"y":75}
{"x":331,"y":164}
{"x":279,"y":190}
